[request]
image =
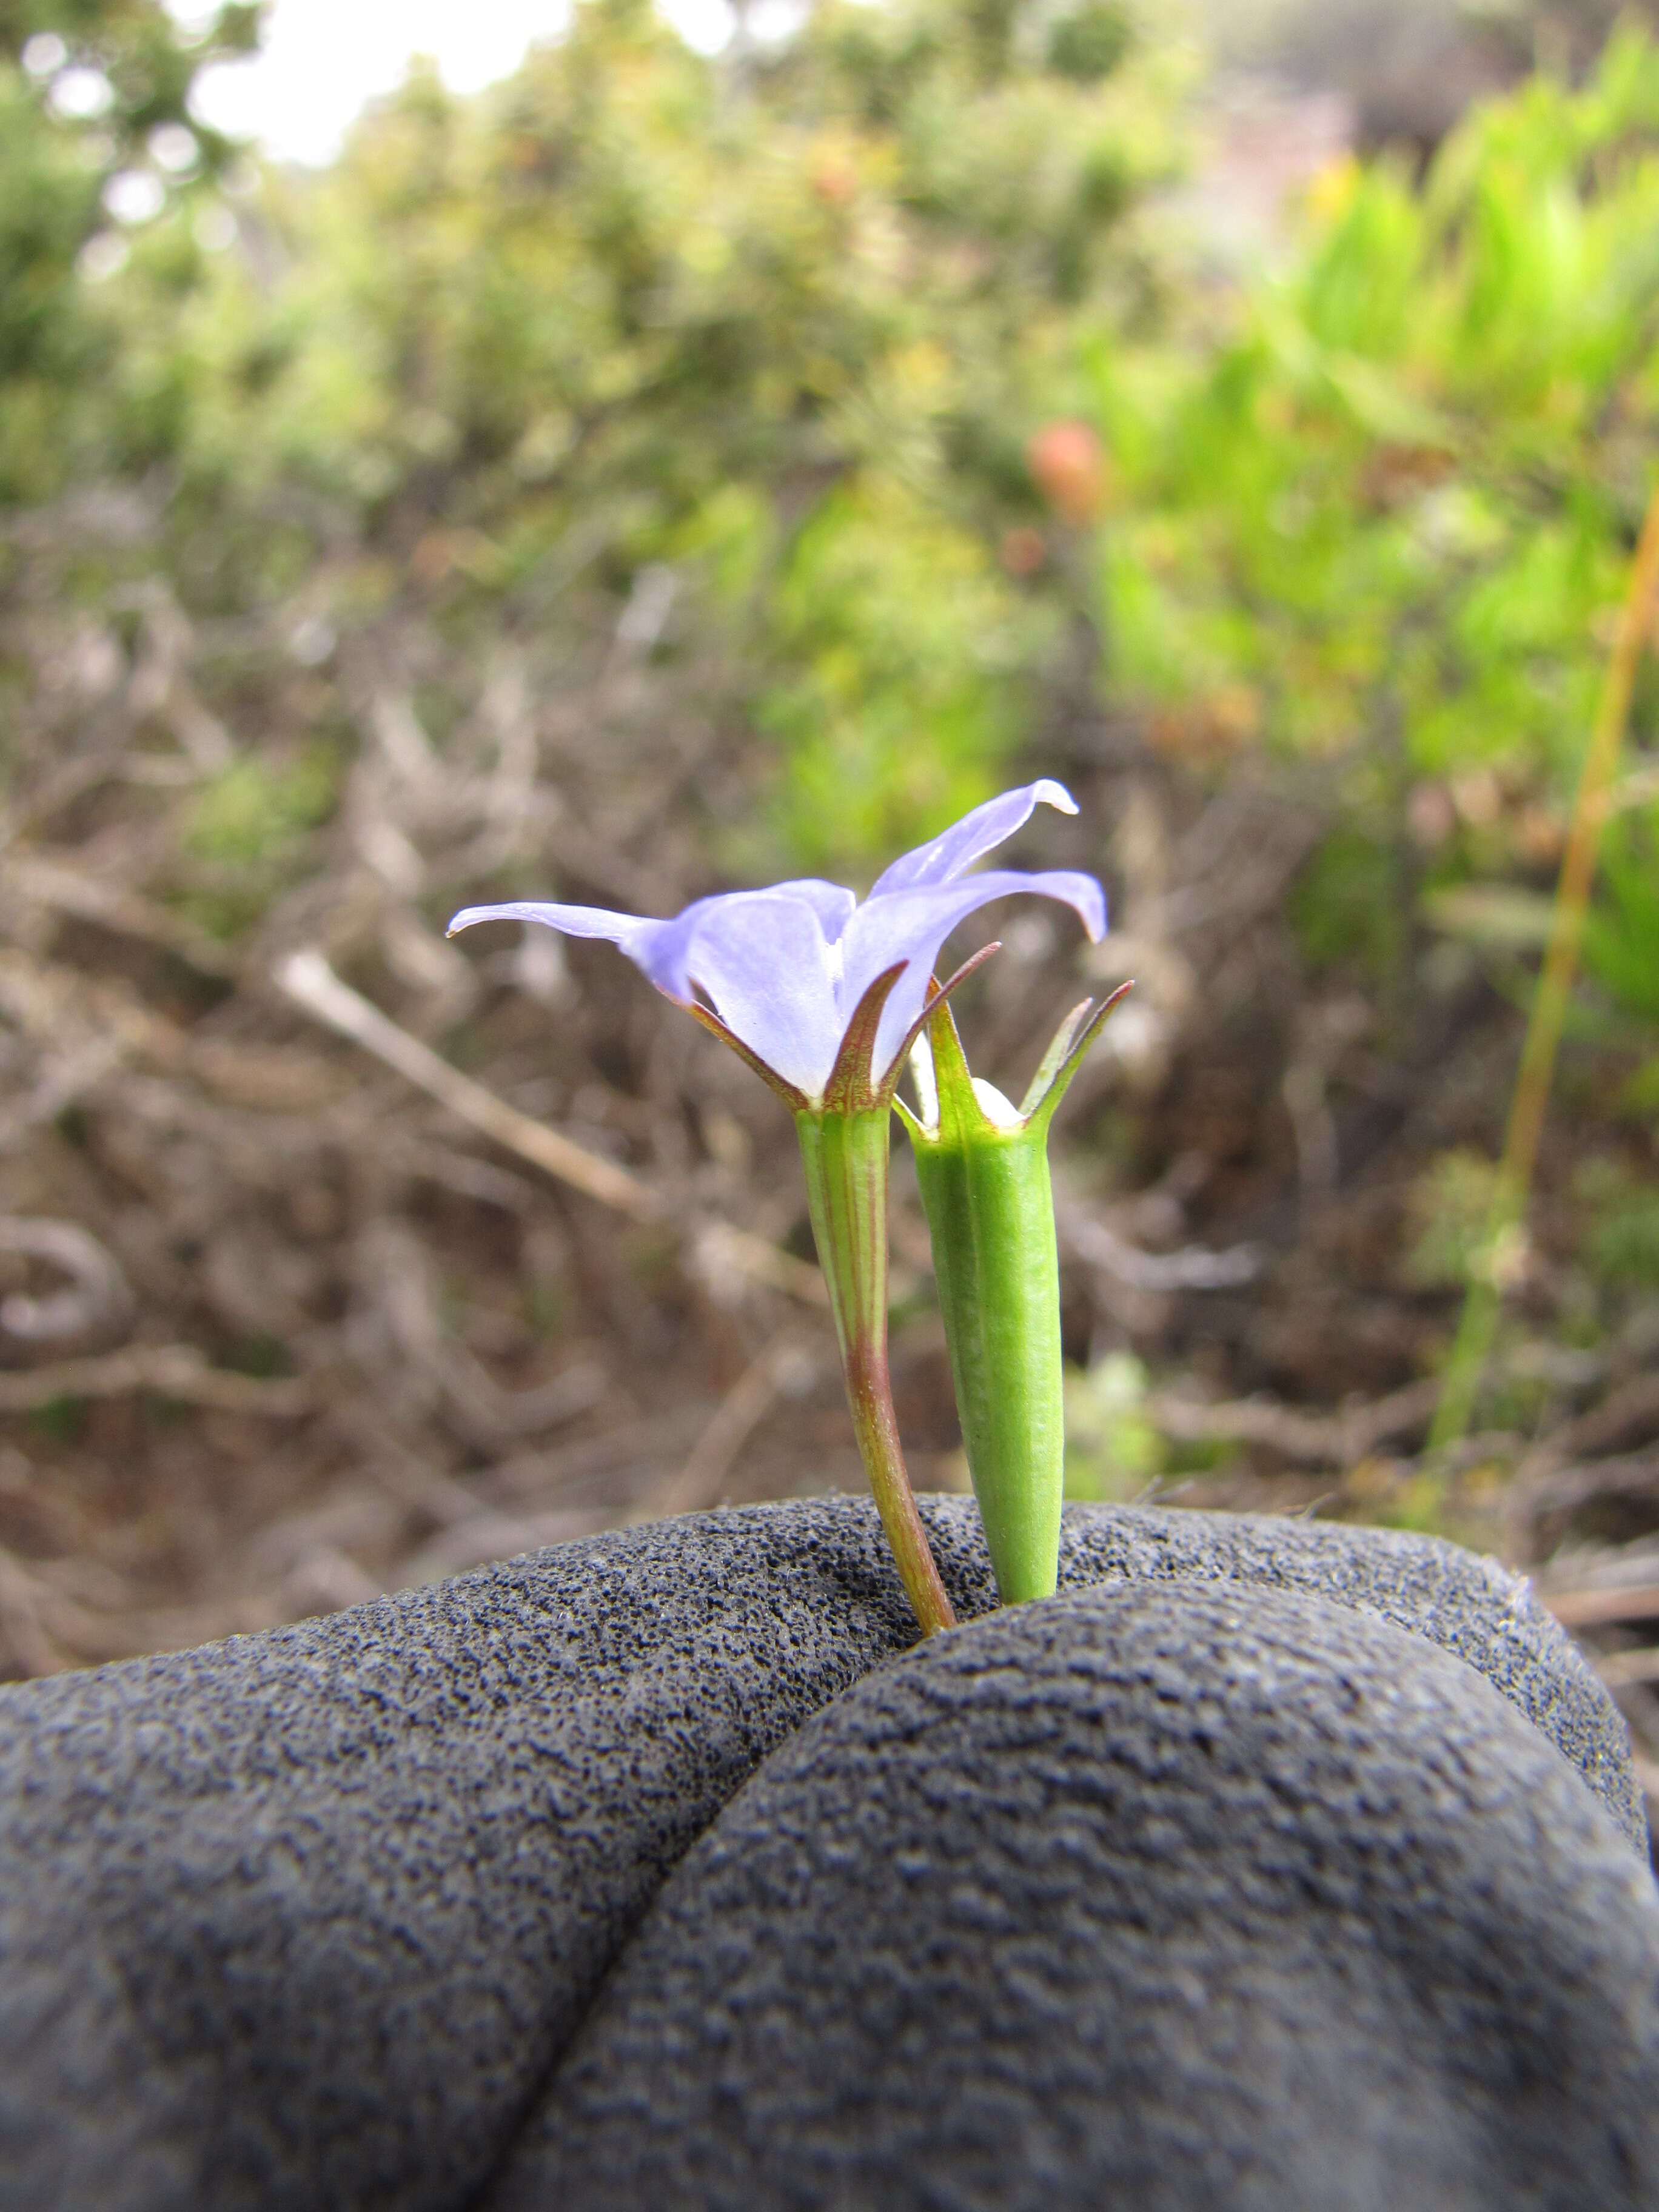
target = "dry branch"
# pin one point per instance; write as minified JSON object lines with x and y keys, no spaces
{"x":169,"y":1371}
{"x":1192,"y":1268}
{"x":98,"y":1300}
{"x":51,"y":882}
{"x":1318,"y":1439}
{"x":1624,"y":1416}
{"x":779,"y":1370}
{"x":307,"y":978}
{"x":1594,"y":1608}
{"x":24,"y":1641}
{"x":1534,"y":1503}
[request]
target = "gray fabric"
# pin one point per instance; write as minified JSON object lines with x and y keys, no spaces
{"x":1174,"y":1899}
{"x":304,"y":1919}
{"x":1468,"y":1605}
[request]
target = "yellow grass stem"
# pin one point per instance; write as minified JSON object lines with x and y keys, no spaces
{"x":1512,"y":1188}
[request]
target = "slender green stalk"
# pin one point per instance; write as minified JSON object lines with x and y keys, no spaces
{"x":1513,"y":1186}
{"x":845,"y":1157}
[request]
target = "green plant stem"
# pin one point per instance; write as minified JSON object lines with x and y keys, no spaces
{"x":1513,"y":1186}
{"x":845,"y":1157}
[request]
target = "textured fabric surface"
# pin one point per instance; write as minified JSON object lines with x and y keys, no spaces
{"x":1174,"y":1899}
{"x":1467,"y":1605}
{"x":306,"y":1919}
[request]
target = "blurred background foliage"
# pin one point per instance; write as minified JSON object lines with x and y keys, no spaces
{"x":95,"y":121}
{"x":780,"y":330}
{"x":660,"y":472}
{"x":1388,"y":524}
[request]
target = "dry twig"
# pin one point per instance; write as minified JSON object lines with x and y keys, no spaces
{"x":1319,"y":1439}
{"x":1625,"y":1414}
{"x":98,"y":1300}
{"x":23,"y":1637}
{"x":308,"y":979}
{"x":1597,"y":1607}
{"x":1617,"y":1669}
{"x":1192,"y":1268}
{"x":783,"y":1369}
{"x":169,"y":1371}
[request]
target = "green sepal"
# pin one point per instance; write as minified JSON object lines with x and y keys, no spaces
{"x":1066,"y":1055}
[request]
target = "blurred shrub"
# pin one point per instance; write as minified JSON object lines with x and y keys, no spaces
{"x":244,"y":837}
{"x":856,"y":371}
{"x":252,"y":811}
{"x":1388,"y":517}
{"x":1621,"y":1225}
{"x":95,"y":127}
{"x":1451,"y":1211}
{"x":1621,"y":944}
{"x":772,"y":336}
{"x":1113,"y":1450}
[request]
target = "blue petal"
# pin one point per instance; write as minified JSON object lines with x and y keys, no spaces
{"x":768,"y":969}
{"x":628,"y":930}
{"x":831,"y":902}
{"x":762,"y":957}
{"x":913,"y":924}
{"x":970,"y":839}
{"x":785,"y":968}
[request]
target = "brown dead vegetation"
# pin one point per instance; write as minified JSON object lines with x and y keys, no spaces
{"x":335,"y":1256}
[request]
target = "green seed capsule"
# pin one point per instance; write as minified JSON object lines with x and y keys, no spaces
{"x":982,"y":1167}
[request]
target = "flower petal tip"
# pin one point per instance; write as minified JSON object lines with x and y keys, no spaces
{"x":1050,"y":794}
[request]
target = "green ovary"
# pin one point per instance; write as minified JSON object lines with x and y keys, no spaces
{"x":990,"y":1212}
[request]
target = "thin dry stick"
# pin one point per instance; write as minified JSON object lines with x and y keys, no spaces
{"x":1321,"y":1439}
{"x":1624,"y":1415}
{"x":52,"y":884}
{"x":1533,"y":1078}
{"x":22,"y":1633}
{"x":171,"y":1370}
{"x":1594,"y":1608}
{"x":738,"y":1414}
{"x":307,"y":978}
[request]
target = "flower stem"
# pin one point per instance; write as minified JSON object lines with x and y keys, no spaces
{"x":845,"y":1157}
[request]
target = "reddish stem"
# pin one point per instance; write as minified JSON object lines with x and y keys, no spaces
{"x":845,"y":1156}
{"x":869,"y":1392}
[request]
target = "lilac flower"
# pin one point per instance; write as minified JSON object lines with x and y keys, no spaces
{"x":823,"y":996}
{"x":786,"y":971}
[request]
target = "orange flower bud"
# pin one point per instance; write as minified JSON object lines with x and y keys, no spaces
{"x":1069,"y":466}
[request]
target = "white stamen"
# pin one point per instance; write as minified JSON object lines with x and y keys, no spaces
{"x":921,"y":1070}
